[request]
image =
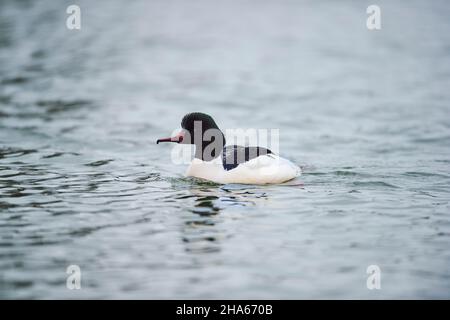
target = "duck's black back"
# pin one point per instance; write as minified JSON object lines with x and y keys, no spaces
{"x":234,"y":155}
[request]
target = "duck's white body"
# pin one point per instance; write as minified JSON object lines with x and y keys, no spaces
{"x":265,"y":169}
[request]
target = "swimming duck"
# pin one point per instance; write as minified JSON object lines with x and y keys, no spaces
{"x":214,"y":161}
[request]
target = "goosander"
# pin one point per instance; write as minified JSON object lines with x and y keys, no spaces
{"x":216,"y":162}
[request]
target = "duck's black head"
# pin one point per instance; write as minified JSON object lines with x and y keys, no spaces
{"x":195,"y":121}
{"x":201,"y":130}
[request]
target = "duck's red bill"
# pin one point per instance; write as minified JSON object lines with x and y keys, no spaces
{"x":178,"y":139}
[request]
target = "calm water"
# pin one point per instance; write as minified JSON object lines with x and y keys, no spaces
{"x":366,"y":113}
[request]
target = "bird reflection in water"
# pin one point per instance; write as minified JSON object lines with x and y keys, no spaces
{"x":203,"y":231}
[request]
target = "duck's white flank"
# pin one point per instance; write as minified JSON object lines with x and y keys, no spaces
{"x":265,"y":169}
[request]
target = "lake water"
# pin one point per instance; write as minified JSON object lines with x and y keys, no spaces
{"x":365,"y":113}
